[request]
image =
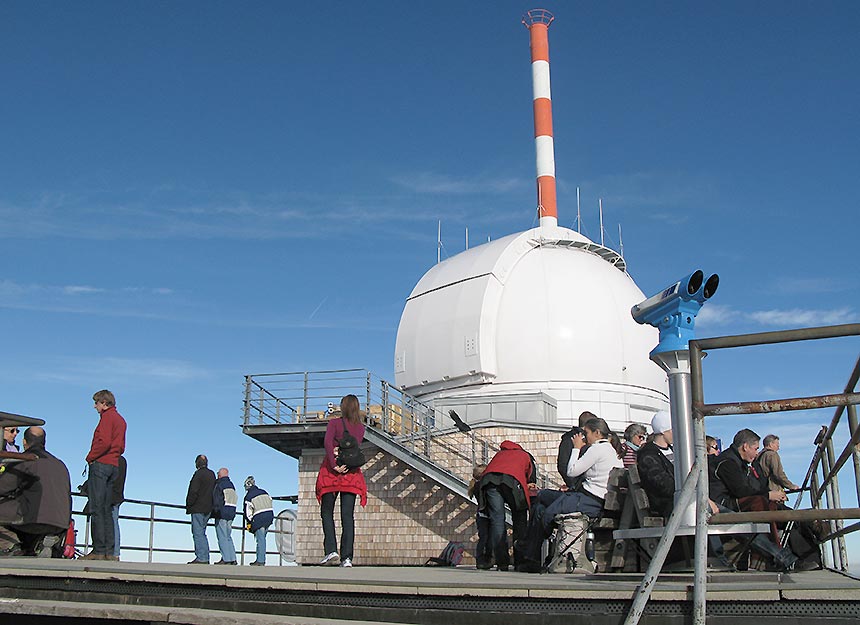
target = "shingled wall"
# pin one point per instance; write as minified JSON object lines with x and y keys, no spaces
{"x":409,"y":517}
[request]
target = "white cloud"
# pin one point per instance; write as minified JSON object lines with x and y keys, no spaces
{"x":68,"y":298}
{"x":653,"y":189}
{"x":81,"y":290}
{"x":790,"y":285}
{"x":716,"y":315}
{"x":115,"y":371}
{"x":802,"y":317}
{"x":432,"y":183}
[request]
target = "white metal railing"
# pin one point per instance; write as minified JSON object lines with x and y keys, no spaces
{"x":415,"y":426}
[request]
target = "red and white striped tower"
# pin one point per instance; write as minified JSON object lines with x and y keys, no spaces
{"x":538,"y":21}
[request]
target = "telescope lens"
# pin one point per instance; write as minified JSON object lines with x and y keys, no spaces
{"x":695,"y":282}
{"x":711,"y":286}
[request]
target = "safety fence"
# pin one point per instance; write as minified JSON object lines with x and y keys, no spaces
{"x":156,"y":531}
{"x":822,"y":477}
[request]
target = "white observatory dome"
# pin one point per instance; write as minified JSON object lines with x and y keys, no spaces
{"x":544,"y":311}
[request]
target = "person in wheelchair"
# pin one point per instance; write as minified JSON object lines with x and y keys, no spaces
{"x":35,"y":499}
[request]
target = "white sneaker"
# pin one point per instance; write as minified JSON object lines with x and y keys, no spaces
{"x":347,"y":563}
{"x":330,"y":559}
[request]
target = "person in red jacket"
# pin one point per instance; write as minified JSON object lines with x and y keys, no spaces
{"x":103,"y":460}
{"x":509,"y":479}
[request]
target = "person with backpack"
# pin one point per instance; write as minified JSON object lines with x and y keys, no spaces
{"x":338,"y":477}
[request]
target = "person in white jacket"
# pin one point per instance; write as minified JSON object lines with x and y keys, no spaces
{"x":595,"y":463}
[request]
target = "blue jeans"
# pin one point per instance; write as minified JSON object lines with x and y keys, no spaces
{"x":224,"y":534}
{"x":100,"y":491}
{"x":260,"y":535}
{"x":198,"y":533}
{"x":116,"y":540}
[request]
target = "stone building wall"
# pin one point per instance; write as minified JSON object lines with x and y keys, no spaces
{"x":409,"y":517}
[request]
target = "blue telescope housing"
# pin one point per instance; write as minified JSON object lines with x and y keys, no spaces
{"x":673,"y":311}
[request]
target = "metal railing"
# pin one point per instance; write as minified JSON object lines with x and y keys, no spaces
{"x":155,"y":514}
{"x":414,"y":426}
{"x":823,"y":489}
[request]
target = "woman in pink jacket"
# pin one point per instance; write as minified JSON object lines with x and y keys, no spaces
{"x":335,"y":479}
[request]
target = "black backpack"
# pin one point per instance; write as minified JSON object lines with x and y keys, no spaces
{"x":451,"y":555}
{"x":349,"y":454}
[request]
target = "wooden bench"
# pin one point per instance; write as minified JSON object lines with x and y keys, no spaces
{"x":627,"y":495}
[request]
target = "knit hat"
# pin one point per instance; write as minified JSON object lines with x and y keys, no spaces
{"x":661,"y":422}
{"x":249,"y":482}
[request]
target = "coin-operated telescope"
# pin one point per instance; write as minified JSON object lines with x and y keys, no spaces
{"x":673,"y":311}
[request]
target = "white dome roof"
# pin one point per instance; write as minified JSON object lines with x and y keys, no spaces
{"x":545,"y":306}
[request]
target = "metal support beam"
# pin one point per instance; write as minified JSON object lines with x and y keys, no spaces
{"x":643,"y":590}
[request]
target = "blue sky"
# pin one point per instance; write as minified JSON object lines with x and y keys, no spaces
{"x":190,"y":192}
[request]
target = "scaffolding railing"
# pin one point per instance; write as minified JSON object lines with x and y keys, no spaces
{"x":822,"y":477}
{"x":414,"y":426}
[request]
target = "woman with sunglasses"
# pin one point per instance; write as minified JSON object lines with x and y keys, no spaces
{"x":634,"y":438}
{"x":9,"y":435}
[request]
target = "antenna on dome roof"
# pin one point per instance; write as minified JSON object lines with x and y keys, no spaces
{"x":620,"y":242}
{"x":467,"y":237}
{"x":578,"y":215}
{"x":538,"y":21}
{"x":600,"y":205}
{"x":439,"y":243}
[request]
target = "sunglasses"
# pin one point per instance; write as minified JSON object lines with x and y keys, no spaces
{"x":13,"y":430}
{"x":713,"y":447}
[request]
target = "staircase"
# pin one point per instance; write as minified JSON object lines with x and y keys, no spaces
{"x":397,"y":423}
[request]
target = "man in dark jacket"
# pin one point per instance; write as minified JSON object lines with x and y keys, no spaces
{"x":565,"y":450}
{"x":224,"y":511}
{"x":735,"y":475}
{"x":736,"y":484}
{"x":36,"y":497}
{"x":509,"y":479}
{"x":656,"y":470}
{"x":198,"y":503}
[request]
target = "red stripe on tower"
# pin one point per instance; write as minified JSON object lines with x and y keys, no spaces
{"x":538,"y":21}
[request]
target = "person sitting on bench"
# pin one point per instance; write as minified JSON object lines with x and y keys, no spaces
{"x":596,"y":463}
{"x":736,"y":484}
{"x":35,"y":498}
{"x":656,"y":471}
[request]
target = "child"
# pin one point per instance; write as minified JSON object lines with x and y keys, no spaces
{"x":484,"y":551}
